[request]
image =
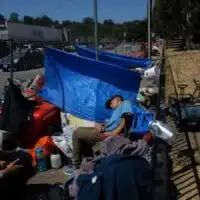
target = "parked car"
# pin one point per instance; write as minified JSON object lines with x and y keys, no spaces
{"x":4,"y":49}
{"x":23,"y":59}
{"x":69,"y":49}
{"x":109,"y":47}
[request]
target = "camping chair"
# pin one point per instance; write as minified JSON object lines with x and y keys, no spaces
{"x":138,"y":122}
{"x":182,"y":89}
{"x":129,"y":123}
{"x":128,"y":117}
{"x":196,"y":90}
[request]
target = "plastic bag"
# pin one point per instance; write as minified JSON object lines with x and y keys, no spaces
{"x":61,"y":143}
{"x":64,"y":141}
{"x":47,"y":144}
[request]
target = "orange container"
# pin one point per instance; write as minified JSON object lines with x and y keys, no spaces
{"x":46,"y":143}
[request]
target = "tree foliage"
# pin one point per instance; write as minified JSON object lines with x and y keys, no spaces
{"x":2,"y":19}
{"x":175,"y":18}
{"x":107,"y":29}
{"x":14,"y":17}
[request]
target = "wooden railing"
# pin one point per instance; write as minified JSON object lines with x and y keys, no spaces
{"x":175,"y":44}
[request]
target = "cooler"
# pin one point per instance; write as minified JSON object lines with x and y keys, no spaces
{"x":45,"y":117}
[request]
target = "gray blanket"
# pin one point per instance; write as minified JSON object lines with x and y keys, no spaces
{"x":122,"y":145}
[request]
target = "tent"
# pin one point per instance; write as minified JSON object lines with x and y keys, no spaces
{"x":81,"y":85}
{"x":121,"y":60}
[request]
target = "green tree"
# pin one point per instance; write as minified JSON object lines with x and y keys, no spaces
{"x":28,"y":20}
{"x":57,"y":24}
{"x":88,"y":21}
{"x":136,"y":30}
{"x":108,"y":22}
{"x":118,"y":31}
{"x":14,"y":17}
{"x":176,"y":18}
{"x":108,"y":29}
{"x":2,"y":19}
{"x":86,"y":27}
{"x":44,"y":21}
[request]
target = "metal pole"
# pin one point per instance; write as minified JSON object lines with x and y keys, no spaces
{"x":96,"y":29}
{"x":149,"y":9}
{"x":11,"y":60}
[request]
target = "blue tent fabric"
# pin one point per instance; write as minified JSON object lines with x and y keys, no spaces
{"x":128,"y":57}
{"x":122,"y":61}
{"x":81,"y":86}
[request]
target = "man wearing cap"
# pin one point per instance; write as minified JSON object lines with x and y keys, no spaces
{"x":85,"y":138}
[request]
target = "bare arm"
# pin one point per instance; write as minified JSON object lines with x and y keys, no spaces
{"x":99,"y":127}
{"x":2,"y":173}
{"x":118,"y":130}
{"x":10,"y":168}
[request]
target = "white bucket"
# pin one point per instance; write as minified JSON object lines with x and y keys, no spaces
{"x":56,"y":161}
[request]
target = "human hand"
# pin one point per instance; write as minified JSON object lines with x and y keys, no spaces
{"x":13,"y":166}
{"x":3,"y":164}
{"x":98,"y":127}
{"x":109,"y":133}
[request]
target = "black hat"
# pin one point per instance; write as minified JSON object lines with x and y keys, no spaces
{"x":108,"y":102}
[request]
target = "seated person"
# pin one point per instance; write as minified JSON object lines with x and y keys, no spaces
{"x":15,"y":170}
{"x":85,"y":138}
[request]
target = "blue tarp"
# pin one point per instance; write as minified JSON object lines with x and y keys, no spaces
{"x":123,"y":61}
{"x":81,"y":85}
{"x":145,"y":60}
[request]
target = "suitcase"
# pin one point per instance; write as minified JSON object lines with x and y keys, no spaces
{"x":45,"y":120}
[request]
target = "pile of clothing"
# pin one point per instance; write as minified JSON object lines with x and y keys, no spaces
{"x":121,"y":171}
{"x":147,"y":96}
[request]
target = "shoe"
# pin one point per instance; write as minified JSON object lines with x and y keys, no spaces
{"x":69,"y":171}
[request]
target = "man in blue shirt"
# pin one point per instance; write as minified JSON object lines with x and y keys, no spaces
{"x":84,"y":138}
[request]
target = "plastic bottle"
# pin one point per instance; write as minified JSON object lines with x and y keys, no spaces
{"x":56,"y":161}
{"x":42,"y":163}
{"x":161,"y":130}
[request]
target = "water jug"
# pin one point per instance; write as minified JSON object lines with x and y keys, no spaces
{"x":56,"y":161}
{"x":161,"y":130}
{"x":42,"y":164}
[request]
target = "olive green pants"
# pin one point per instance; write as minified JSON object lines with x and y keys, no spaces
{"x":84,"y":140}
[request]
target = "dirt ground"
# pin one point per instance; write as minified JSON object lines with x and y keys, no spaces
{"x":51,"y":176}
{"x":183,"y":67}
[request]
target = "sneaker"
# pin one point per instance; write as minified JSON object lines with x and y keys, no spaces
{"x":20,"y":149}
{"x":69,"y":171}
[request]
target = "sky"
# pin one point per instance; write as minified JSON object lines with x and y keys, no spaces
{"x":76,"y":10}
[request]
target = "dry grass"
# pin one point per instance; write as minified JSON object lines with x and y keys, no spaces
{"x":185,"y":67}
{"x":182,"y":68}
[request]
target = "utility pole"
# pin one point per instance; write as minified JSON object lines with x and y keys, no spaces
{"x":149,"y":13}
{"x":96,"y":28}
{"x":11,"y":59}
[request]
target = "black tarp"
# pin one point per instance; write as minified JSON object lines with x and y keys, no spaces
{"x":16,"y":109}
